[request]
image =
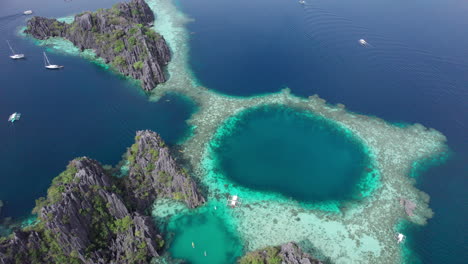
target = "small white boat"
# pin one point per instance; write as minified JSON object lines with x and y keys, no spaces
{"x":50,"y":66}
{"x":363,"y":42}
{"x":234,"y":201}
{"x":28,"y":12}
{"x":14,"y":117}
{"x":14,"y":55}
{"x":400,"y":237}
{"x":302,"y":2}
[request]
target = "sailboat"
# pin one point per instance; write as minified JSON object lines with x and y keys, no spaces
{"x":50,"y":66}
{"x":14,"y":55}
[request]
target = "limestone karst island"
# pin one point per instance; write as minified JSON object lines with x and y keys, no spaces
{"x":223,"y":132}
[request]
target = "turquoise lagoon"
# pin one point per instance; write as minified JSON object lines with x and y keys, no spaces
{"x":214,"y":241}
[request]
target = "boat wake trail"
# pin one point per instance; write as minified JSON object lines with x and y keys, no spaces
{"x":5,"y":21}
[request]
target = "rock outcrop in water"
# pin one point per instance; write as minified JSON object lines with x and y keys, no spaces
{"x":288,"y":253}
{"x":90,"y":216}
{"x":153,"y":172}
{"x":120,"y":35}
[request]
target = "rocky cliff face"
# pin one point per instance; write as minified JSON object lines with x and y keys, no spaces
{"x":120,"y":35}
{"x":155,"y":173}
{"x":288,"y":253}
{"x":92,"y":217}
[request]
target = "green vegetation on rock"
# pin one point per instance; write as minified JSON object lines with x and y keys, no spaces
{"x":119,"y":45}
{"x":138,"y":65}
{"x":267,"y":255}
{"x":119,"y":61}
{"x":54,"y":193}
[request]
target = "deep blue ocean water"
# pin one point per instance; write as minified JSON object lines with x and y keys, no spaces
{"x":284,"y":150}
{"x":415,"y":71}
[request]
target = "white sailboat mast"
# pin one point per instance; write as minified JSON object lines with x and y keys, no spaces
{"x":12,"y":51}
{"x":46,"y":60}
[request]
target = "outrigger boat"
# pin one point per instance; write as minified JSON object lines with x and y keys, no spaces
{"x":363,"y":42}
{"x":233,"y":201}
{"x":14,"y":117}
{"x":400,"y":238}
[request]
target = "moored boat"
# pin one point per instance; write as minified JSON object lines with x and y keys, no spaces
{"x":14,"y":117}
{"x":14,"y":55}
{"x":50,"y":66}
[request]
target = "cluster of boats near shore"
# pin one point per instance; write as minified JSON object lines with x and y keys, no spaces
{"x":19,"y":56}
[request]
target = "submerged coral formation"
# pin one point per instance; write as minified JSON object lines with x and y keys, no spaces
{"x":344,"y":231}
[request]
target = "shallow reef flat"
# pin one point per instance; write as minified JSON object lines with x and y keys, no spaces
{"x":354,"y":231}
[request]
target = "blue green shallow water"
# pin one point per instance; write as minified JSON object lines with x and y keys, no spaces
{"x":292,"y":152}
{"x":209,"y":233}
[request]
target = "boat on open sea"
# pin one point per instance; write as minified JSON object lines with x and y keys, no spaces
{"x":363,"y":42}
{"x":302,"y":2}
{"x":14,"y":117}
{"x":50,"y":66}
{"x":28,"y":12}
{"x":14,"y":55}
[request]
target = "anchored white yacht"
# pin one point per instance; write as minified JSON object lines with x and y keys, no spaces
{"x":14,"y":55}
{"x":50,"y":66}
{"x":28,"y":12}
{"x":14,"y":117}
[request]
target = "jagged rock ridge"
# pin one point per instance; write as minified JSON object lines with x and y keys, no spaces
{"x":120,"y":35}
{"x":288,"y":253}
{"x":92,"y":217}
{"x":153,"y":168}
